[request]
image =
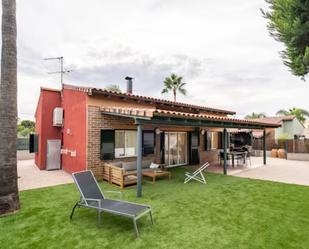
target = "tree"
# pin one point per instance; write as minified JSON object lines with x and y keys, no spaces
{"x":254,"y":115}
{"x":25,"y":127}
{"x":113,"y":88}
{"x":28,"y":124}
{"x":299,"y":113}
{"x":174,"y":83}
{"x":288,"y":22}
{"x":9,"y":199}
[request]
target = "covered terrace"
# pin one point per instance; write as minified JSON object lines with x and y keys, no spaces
{"x":174,"y":119}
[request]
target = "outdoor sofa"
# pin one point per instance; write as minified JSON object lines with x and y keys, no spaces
{"x":123,"y":173}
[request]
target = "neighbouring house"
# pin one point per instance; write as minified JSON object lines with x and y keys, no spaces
{"x":80,"y":128}
{"x":290,"y":127}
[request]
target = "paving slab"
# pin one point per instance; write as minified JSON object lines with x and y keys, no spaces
{"x":30,"y":177}
{"x":279,"y":170}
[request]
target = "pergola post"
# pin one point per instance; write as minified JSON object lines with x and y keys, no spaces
{"x":264,"y":147}
{"x":224,"y":151}
{"x":139,"y":160}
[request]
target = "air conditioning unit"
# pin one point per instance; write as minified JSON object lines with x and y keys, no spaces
{"x":58,"y":117}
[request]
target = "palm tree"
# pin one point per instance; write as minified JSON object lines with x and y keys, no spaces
{"x":113,"y":88}
{"x":254,"y":115}
{"x":174,"y":83}
{"x":299,"y":113}
{"x":9,"y":199}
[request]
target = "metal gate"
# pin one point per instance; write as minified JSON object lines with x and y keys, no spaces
{"x":53,"y":154}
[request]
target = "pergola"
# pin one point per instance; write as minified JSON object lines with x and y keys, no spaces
{"x":181,"y":119}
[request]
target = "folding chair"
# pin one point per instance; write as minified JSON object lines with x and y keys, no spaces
{"x":197,"y":174}
{"x":92,"y":197}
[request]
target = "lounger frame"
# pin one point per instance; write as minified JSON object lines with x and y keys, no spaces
{"x":197,"y":175}
{"x":84,"y":202}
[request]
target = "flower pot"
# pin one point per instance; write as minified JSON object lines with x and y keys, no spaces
{"x":274,"y":153}
{"x":282,"y":153}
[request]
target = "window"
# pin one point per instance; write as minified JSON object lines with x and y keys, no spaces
{"x":148,"y":142}
{"x":107,"y":144}
{"x":34,"y":143}
{"x":125,"y":143}
{"x":213,"y":140}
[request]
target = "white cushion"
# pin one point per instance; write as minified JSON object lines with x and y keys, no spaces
{"x":154,"y":166}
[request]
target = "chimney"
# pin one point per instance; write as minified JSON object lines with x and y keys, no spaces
{"x":129,"y":84}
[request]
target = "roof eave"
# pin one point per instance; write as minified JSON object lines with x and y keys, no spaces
{"x":220,"y":120}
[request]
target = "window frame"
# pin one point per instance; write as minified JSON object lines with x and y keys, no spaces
{"x":125,"y":143}
{"x":103,"y":154}
{"x":154,"y":142}
{"x":34,"y":143}
{"x":209,"y":140}
{"x":212,"y":140}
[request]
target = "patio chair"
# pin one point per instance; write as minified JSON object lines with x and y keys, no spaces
{"x":92,"y":197}
{"x":197,"y":175}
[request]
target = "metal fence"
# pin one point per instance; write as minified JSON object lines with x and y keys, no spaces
{"x":291,"y":145}
{"x":22,"y":143}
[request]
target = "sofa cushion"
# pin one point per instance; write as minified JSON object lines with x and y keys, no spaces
{"x":143,"y":170}
{"x":154,"y":166}
{"x":128,"y":166}
{"x":146,"y":164}
{"x":130,"y":178}
{"x":148,"y":169}
{"x":117,"y":164}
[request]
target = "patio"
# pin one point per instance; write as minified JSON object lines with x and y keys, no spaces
{"x":277,"y":170}
{"x":30,"y":177}
{"x":256,"y":162}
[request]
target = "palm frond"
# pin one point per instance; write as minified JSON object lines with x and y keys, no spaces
{"x":182,"y":91}
{"x":282,"y":112}
{"x":165,"y":90}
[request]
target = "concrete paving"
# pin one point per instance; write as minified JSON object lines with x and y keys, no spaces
{"x":30,"y":177}
{"x":256,"y":162}
{"x":278,"y":170}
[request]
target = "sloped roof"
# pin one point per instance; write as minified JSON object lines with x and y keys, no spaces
{"x":274,"y":120}
{"x":93,"y":90}
{"x":150,"y":113}
{"x":159,"y":112}
{"x":306,"y":133}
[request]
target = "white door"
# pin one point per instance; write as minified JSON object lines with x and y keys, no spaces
{"x":53,"y":154}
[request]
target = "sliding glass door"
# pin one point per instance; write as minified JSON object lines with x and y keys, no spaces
{"x":175,"y":148}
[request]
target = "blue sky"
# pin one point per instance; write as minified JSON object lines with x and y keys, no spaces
{"x":221,"y":48}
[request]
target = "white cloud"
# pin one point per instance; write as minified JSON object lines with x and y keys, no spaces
{"x":222,"y":48}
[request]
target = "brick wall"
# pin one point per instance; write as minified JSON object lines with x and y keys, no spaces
{"x":207,"y":156}
{"x":96,"y":122}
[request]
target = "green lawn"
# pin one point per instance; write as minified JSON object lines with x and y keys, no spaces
{"x":228,"y":212}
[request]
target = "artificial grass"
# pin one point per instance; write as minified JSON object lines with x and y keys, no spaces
{"x":228,"y":212}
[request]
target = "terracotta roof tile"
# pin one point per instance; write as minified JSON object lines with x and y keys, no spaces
{"x":91,"y":90}
{"x":274,"y":120}
{"x":210,"y":117}
{"x":134,"y":112}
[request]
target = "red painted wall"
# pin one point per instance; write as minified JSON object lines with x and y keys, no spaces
{"x":74,"y":130}
{"x":38,"y":130}
{"x":49,"y":99}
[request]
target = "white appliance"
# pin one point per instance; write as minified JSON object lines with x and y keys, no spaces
{"x":58,"y":117}
{"x":53,"y":160}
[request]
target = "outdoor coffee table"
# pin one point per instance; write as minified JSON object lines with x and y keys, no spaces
{"x":158,"y":173}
